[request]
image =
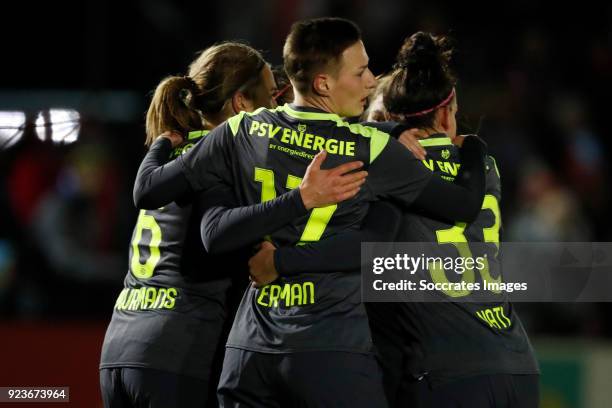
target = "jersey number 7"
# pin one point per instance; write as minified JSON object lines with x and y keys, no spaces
{"x":319,"y":217}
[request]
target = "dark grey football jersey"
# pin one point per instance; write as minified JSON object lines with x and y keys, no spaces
{"x":452,"y":340}
{"x":171,"y":312}
{"x":266,"y":153}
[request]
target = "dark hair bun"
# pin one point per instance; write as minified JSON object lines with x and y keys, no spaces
{"x":422,"y":77}
{"x":424,"y":54}
{"x":418,"y":53}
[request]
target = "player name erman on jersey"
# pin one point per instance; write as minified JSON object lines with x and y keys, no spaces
{"x":264,"y":154}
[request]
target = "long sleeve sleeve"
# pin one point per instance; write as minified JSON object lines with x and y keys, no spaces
{"x":419,"y":189}
{"x":225,"y":229}
{"x":157,"y":182}
{"x":207,"y":163}
{"x":341,"y":252}
{"x":465,"y":194}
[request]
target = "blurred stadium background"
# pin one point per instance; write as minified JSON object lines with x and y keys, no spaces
{"x":76,"y":86}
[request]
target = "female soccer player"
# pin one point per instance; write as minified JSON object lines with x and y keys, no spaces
{"x":285,"y":327}
{"x":456,"y":354}
{"x":164,"y":344}
{"x":449,"y":353}
{"x":453,"y":353}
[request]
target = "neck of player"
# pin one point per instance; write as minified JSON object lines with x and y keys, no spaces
{"x":423,"y":133}
{"x":313,"y":101}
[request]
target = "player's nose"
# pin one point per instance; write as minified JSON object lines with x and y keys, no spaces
{"x":370,"y":80}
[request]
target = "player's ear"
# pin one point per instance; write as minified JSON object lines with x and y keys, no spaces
{"x":322,"y":85}
{"x":443,"y":116}
{"x":241,"y":103}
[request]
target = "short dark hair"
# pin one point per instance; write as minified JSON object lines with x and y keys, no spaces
{"x":314,"y":45}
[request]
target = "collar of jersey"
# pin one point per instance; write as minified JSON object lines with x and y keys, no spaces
{"x":437,"y":139}
{"x":197,"y":133}
{"x":307,"y":113}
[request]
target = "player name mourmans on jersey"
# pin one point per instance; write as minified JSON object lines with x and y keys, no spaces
{"x":171,"y":312}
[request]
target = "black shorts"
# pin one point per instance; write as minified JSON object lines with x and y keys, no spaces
{"x":407,"y":385}
{"x":128,"y":387}
{"x":306,"y":379}
{"x":404,"y":389}
{"x":484,"y":391}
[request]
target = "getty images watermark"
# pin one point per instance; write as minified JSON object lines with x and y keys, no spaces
{"x":487,"y":272}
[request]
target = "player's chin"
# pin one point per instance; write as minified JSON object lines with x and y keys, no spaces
{"x":356,"y":111}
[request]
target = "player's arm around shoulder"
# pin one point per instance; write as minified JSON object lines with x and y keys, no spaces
{"x":394,"y":171}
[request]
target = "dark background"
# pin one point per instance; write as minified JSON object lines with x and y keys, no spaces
{"x":537,"y":74}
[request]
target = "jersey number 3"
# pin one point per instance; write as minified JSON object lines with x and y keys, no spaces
{"x":455,"y":236}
